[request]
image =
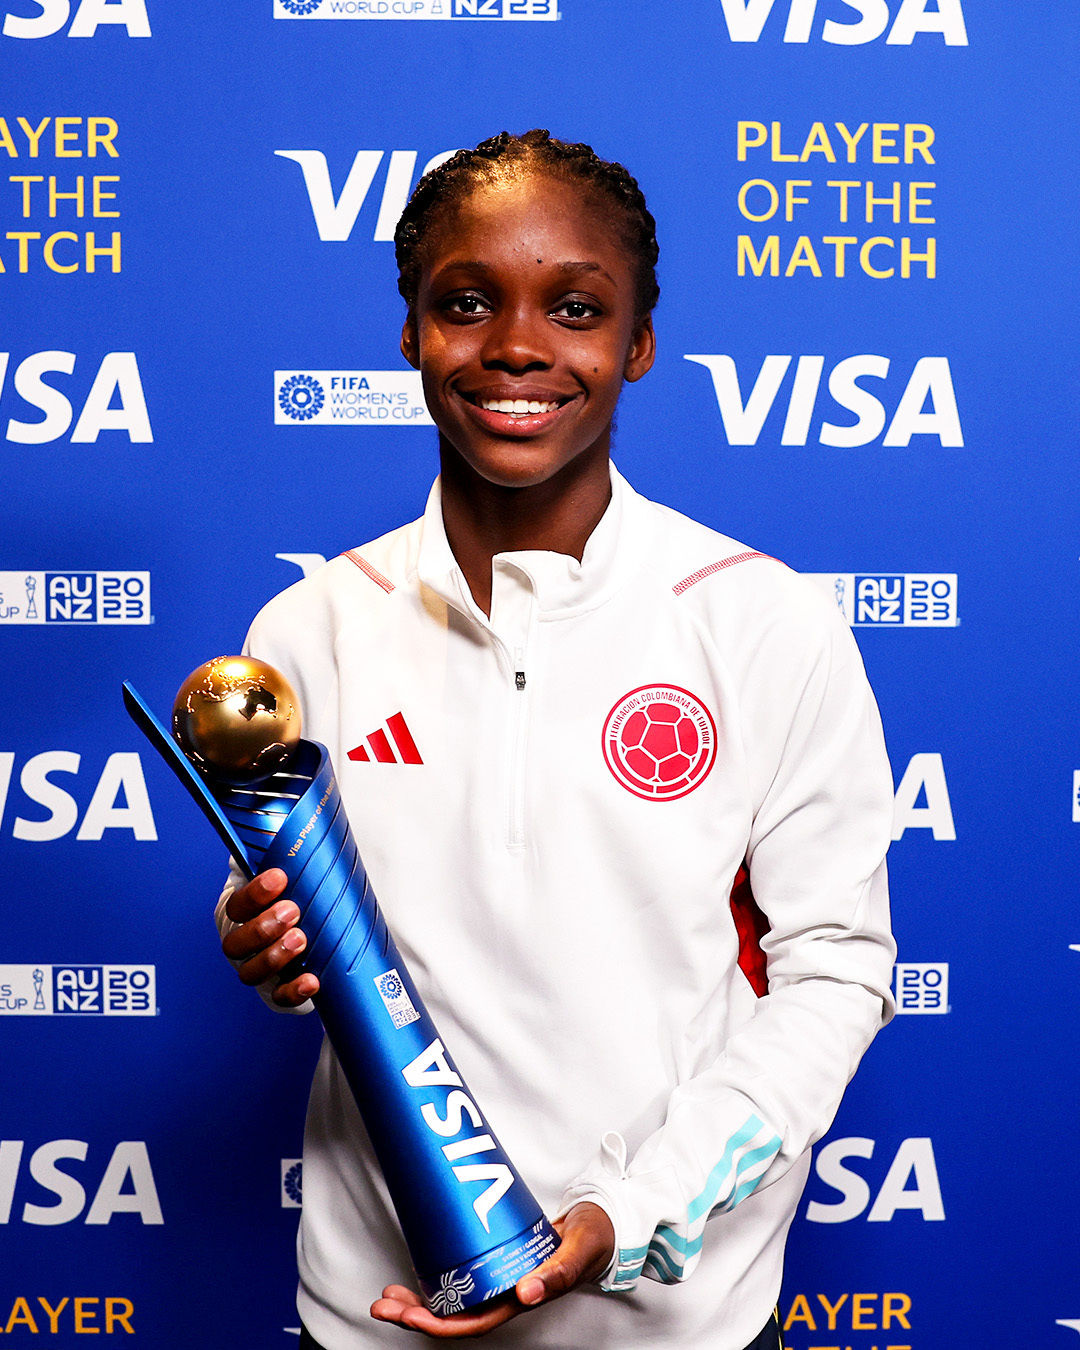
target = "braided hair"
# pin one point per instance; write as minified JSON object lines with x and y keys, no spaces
{"x":504,"y":155}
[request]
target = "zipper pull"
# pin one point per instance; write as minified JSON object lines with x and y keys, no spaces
{"x":519,"y":679}
{"x":519,"y":673}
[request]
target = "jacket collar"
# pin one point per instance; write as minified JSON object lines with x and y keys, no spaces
{"x":561,"y":586}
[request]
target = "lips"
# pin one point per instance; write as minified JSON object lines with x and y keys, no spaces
{"x":516,"y":410}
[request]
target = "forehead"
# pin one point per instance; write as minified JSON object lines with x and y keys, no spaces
{"x":529,"y":214}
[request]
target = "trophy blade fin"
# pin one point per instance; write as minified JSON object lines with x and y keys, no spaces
{"x":175,"y":758}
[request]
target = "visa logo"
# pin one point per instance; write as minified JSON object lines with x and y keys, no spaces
{"x":430,"y":1068}
{"x":746,"y":20}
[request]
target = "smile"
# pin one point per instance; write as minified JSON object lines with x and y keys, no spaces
{"x":496,"y":411}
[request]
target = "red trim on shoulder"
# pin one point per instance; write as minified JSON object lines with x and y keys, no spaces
{"x":369,"y":571}
{"x":704,"y":572}
{"x":751,"y":926}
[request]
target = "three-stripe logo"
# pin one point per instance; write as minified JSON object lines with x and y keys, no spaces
{"x":378,"y":745}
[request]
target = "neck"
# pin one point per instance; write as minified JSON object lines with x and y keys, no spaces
{"x":483,"y":518}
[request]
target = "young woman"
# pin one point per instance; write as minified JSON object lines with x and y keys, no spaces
{"x":625,"y":722}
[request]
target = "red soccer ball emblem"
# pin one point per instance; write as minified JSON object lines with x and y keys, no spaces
{"x":660,"y":742}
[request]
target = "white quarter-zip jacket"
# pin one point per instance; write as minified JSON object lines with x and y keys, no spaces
{"x":553,"y":805}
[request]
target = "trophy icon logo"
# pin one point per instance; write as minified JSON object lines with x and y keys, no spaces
{"x":39,"y":998}
{"x":472,"y":1226}
{"x":31,"y":587}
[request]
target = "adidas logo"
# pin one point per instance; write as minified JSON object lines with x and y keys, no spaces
{"x":377,"y":746}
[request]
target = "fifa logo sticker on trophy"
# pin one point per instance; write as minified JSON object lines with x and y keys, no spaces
{"x":472,"y":1226}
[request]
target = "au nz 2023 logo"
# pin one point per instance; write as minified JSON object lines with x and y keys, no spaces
{"x":659,"y":742}
{"x":103,"y":991}
{"x":75,"y":598}
{"x":892,"y":599}
{"x":416,"y":9}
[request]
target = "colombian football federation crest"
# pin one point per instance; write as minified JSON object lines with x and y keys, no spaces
{"x":660,"y":742}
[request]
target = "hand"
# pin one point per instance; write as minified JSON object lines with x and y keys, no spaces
{"x":588,"y":1241}
{"x":267,"y":938}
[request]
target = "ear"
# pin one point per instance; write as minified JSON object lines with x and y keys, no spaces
{"x":642,"y":351}
{"x":410,"y":342}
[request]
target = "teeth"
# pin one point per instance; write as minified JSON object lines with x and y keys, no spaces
{"x":517,"y":407}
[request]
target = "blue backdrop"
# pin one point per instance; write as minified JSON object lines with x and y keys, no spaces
{"x":865,"y":211}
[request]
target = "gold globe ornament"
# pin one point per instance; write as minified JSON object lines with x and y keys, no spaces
{"x":237,"y":719}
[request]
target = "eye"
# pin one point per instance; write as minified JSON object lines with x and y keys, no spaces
{"x":468,"y":303}
{"x":576,"y":310}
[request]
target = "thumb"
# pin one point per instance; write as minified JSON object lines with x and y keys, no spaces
{"x":588,"y":1241}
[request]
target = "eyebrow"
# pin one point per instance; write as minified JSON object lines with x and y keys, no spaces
{"x":568,"y":268}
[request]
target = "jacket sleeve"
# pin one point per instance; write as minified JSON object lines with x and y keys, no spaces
{"x":821,"y":792}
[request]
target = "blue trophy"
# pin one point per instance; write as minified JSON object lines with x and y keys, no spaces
{"x":472,"y":1226}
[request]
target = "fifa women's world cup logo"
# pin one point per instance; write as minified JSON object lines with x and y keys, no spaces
{"x":471,"y":1224}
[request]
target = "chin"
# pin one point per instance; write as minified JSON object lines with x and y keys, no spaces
{"x":515,"y":476}
{"x":514,"y":464}
{"x":527,"y":463}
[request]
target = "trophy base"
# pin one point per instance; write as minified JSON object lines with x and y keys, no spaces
{"x":492,"y":1273}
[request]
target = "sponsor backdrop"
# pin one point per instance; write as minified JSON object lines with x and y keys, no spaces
{"x":864,"y":369}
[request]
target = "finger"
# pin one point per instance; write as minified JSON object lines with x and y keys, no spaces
{"x":272,"y":960}
{"x":263,"y":930}
{"x":251,"y":899}
{"x":297,"y":991}
{"x":405,"y":1309}
{"x":584,"y":1252}
{"x":399,"y":1293}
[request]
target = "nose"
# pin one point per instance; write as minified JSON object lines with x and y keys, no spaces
{"x":517,"y":339}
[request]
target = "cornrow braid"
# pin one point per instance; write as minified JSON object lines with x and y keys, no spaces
{"x":458,"y":176}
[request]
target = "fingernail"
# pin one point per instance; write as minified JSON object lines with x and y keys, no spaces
{"x":286,"y":912}
{"x":293,"y":940}
{"x":531,"y":1291}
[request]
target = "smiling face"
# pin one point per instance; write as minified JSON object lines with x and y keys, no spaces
{"x":524,"y":329}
